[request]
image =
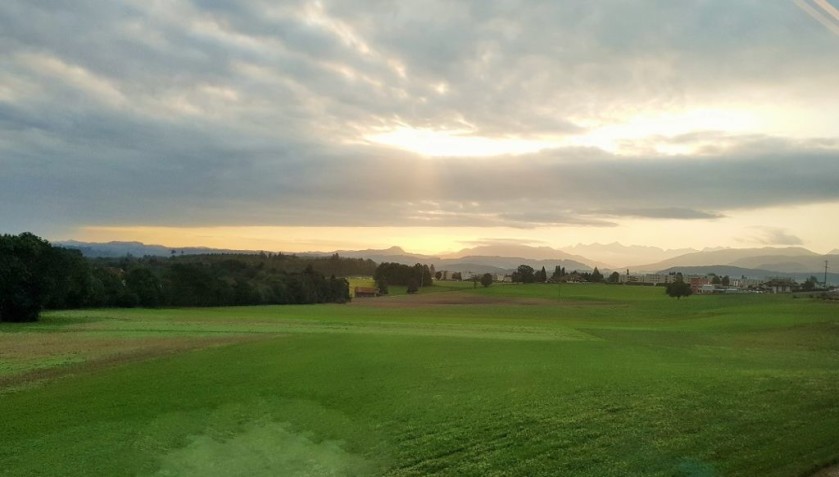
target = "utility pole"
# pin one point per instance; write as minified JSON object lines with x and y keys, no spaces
{"x":825,"y":274}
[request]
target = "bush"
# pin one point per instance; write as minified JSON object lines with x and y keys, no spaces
{"x":678,"y":289}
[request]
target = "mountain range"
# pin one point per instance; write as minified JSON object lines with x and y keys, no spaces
{"x":481,"y":259}
{"x":502,"y":258}
{"x":784,"y":259}
{"x":624,"y":256}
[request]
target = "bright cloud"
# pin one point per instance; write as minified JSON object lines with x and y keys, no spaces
{"x":457,"y":143}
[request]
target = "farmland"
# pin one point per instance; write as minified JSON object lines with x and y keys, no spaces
{"x":506,"y":380}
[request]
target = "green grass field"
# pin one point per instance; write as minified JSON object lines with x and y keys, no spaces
{"x":509,"y":380}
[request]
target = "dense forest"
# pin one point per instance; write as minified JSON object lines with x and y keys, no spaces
{"x":36,"y":275}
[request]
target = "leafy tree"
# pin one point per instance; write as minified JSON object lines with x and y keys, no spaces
{"x":107,"y":286}
{"x":810,"y":284}
{"x":486,"y":280}
{"x":146,"y":286}
{"x":243,"y":293}
{"x":524,"y":274}
{"x":726,"y":281}
{"x":678,"y":289}
{"x":315,"y":286}
{"x":596,"y":276}
{"x":127,"y":299}
{"x":413,"y":287}
{"x":457,"y":276}
{"x":381,"y":284}
{"x":438,"y":275}
{"x":26,"y":278}
{"x":424,"y":275}
{"x":192,"y":284}
{"x":339,"y":290}
{"x":399,"y":274}
{"x":70,"y":280}
{"x":614,"y":277}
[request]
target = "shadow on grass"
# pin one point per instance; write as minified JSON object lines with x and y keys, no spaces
{"x":48,"y":323}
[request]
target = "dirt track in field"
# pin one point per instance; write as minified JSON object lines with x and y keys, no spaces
{"x":104,"y":353}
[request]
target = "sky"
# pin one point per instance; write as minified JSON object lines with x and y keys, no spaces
{"x":300,"y":125}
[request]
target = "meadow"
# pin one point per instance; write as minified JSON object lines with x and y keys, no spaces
{"x":526,"y":380}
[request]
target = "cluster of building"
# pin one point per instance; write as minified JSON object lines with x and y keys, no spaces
{"x":701,"y":284}
{"x":705,"y":283}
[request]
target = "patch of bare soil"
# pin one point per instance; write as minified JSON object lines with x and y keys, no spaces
{"x":832,"y":471}
{"x":446,"y":298}
{"x":106,"y":353}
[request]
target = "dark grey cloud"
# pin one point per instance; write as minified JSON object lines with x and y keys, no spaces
{"x":279,"y":187}
{"x":206,"y":112}
{"x":660,"y":213}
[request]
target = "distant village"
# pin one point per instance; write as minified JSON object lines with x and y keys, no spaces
{"x":699,"y":284}
{"x":713,"y":283}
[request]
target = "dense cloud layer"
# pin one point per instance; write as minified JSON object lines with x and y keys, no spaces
{"x":203,"y":113}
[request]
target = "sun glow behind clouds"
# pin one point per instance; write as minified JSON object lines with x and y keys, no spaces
{"x":739,"y":228}
{"x":653,"y":130}
{"x":457,"y":143}
{"x":631,"y":135}
{"x":426,"y":240}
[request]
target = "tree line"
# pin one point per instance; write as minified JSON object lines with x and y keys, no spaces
{"x":527,"y":274}
{"x":35,"y":275}
{"x":413,"y":277}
